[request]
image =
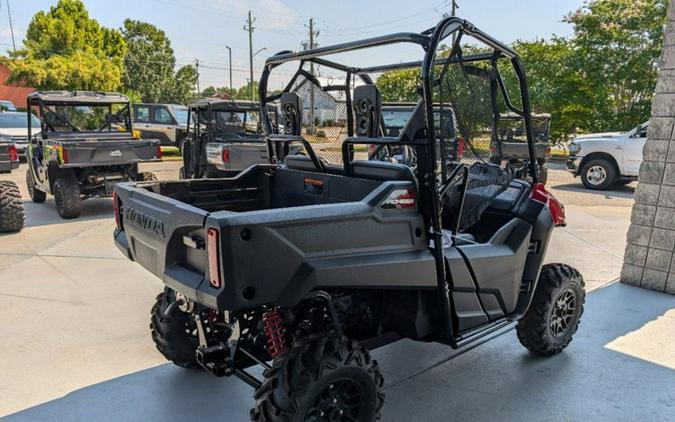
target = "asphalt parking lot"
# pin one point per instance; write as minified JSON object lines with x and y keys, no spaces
{"x":77,"y":314}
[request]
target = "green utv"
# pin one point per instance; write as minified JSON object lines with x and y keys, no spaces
{"x":11,"y":208}
{"x":304,"y":264}
{"x":85,"y":146}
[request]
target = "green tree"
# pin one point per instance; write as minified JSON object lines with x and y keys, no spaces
{"x":65,"y":49}
{"x":399,"y":85}
{"x":149,"y":62}
{"x":616,"y":46}
{"x":181,"y":90}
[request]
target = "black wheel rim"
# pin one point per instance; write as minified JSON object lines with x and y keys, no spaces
{"x":563,"y":312}
{"x":338,"y":402}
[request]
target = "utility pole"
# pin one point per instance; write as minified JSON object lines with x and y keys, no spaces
{"x":229,"y":50}
{"x":11,"y":27}
{"x":250,"y":29}
{"x":197,"y":71}
{"x":308,"y":46}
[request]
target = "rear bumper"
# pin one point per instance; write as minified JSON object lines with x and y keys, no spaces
{"x":122,"y":243}
{"x":574,"y":164}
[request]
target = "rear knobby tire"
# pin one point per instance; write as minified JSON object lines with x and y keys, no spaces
{"x":296,"y":388}
{"x":36,"y":195}
{"x":170,"y":332}
{"x":552,"y":319}
{"x":11,"y":208}
{"x":67,"y":196}
{"x":146,"y":176}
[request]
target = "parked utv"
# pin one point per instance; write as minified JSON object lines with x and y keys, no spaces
{"x":85,"y":146}
{"x":304,"y":264}
{"x":11,"y":208}
{"x":512,"y":148}
{"x":224,"y":138}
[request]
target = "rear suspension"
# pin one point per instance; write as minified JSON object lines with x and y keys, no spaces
{"x":275,"y":331}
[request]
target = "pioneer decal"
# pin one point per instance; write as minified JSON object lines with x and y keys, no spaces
{"x":144,"y":221}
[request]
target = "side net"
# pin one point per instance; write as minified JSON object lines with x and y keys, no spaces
{"x":324,"y":116}
{"x":470,"y":90}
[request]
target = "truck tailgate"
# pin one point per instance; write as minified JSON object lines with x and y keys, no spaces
{"x":110,"y":152}
{"x":163,"y":235}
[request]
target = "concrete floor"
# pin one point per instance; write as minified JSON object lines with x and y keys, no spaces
{"x":74,"y":316}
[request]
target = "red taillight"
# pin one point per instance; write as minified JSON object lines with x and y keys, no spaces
{"x":64,"y":155}
{"x":13,"y":155}
{"x":226,"y":155}
{"x":460,"y":148}
{"x":213,"y":249}
{"x":401,"y":199}
{"x":116,"y":209}
{"x":371,"y":149}
{"x":159,"y":151}
{"x":555,"y":207}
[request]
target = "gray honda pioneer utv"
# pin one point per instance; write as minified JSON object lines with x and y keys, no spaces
{"x":11,"y":208}
{"x":86,"y":145}
{"x":224,"y":138}
{"x":304,"y":264}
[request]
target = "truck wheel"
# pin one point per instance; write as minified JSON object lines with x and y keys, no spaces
{"x":320,"y":378}
{"x":67,"y":197}
{"x":35,"y":194}
{"x":556,"y":309}
{"x":11,"y":208}
{"x":174,"y":334}
{"x":146,"y":176}
{"x":598,"y":174}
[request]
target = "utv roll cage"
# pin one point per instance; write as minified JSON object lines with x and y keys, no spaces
{"x":42,"y":100}
{"x":419,"y":132}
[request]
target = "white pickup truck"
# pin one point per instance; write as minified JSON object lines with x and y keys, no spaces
{"x":604,"y":159}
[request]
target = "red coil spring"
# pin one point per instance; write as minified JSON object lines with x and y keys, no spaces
{"x":273,"y":326}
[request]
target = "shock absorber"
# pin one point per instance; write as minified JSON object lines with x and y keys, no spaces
{"x":275,"y":331}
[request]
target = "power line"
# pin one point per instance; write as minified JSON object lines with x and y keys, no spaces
{"x":11,"y":27}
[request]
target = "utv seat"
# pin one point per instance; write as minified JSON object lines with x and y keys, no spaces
{"x":373,"y":170}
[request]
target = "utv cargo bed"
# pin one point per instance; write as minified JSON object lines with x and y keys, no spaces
{"x":275,"y":234}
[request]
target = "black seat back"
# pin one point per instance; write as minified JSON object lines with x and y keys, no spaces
{"x":373,"y":170}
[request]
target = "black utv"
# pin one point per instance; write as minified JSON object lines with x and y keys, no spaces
{"x":303,"y":264}
{"x":11,"y":207}
{"x":86,"y":145}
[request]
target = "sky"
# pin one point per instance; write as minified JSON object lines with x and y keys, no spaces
{"x":200,"y":29}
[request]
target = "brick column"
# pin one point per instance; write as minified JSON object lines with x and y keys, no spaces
{"x":649,"y":260}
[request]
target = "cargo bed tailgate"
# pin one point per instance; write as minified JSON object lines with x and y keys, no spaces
{"x":163,"y":235}
{"x":109,"y":152}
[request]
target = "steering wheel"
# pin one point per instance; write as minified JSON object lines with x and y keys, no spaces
{"x":402,"y":154}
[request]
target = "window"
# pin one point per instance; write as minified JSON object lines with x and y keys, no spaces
{"x":143,"y":114}
{"x":163,"y":116}
{"x":181,"y":114}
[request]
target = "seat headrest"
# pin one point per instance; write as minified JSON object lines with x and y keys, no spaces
{"x":367,"y":110}
{"x":292,"y":109}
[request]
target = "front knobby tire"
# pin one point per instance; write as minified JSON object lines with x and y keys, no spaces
{"x":173,"y":334}
{"x":320,"y":378}
{"x":67,"y":197}
{"x":556,"y":309}
{"x":12,"y":216}
{"x":36,"y":195}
